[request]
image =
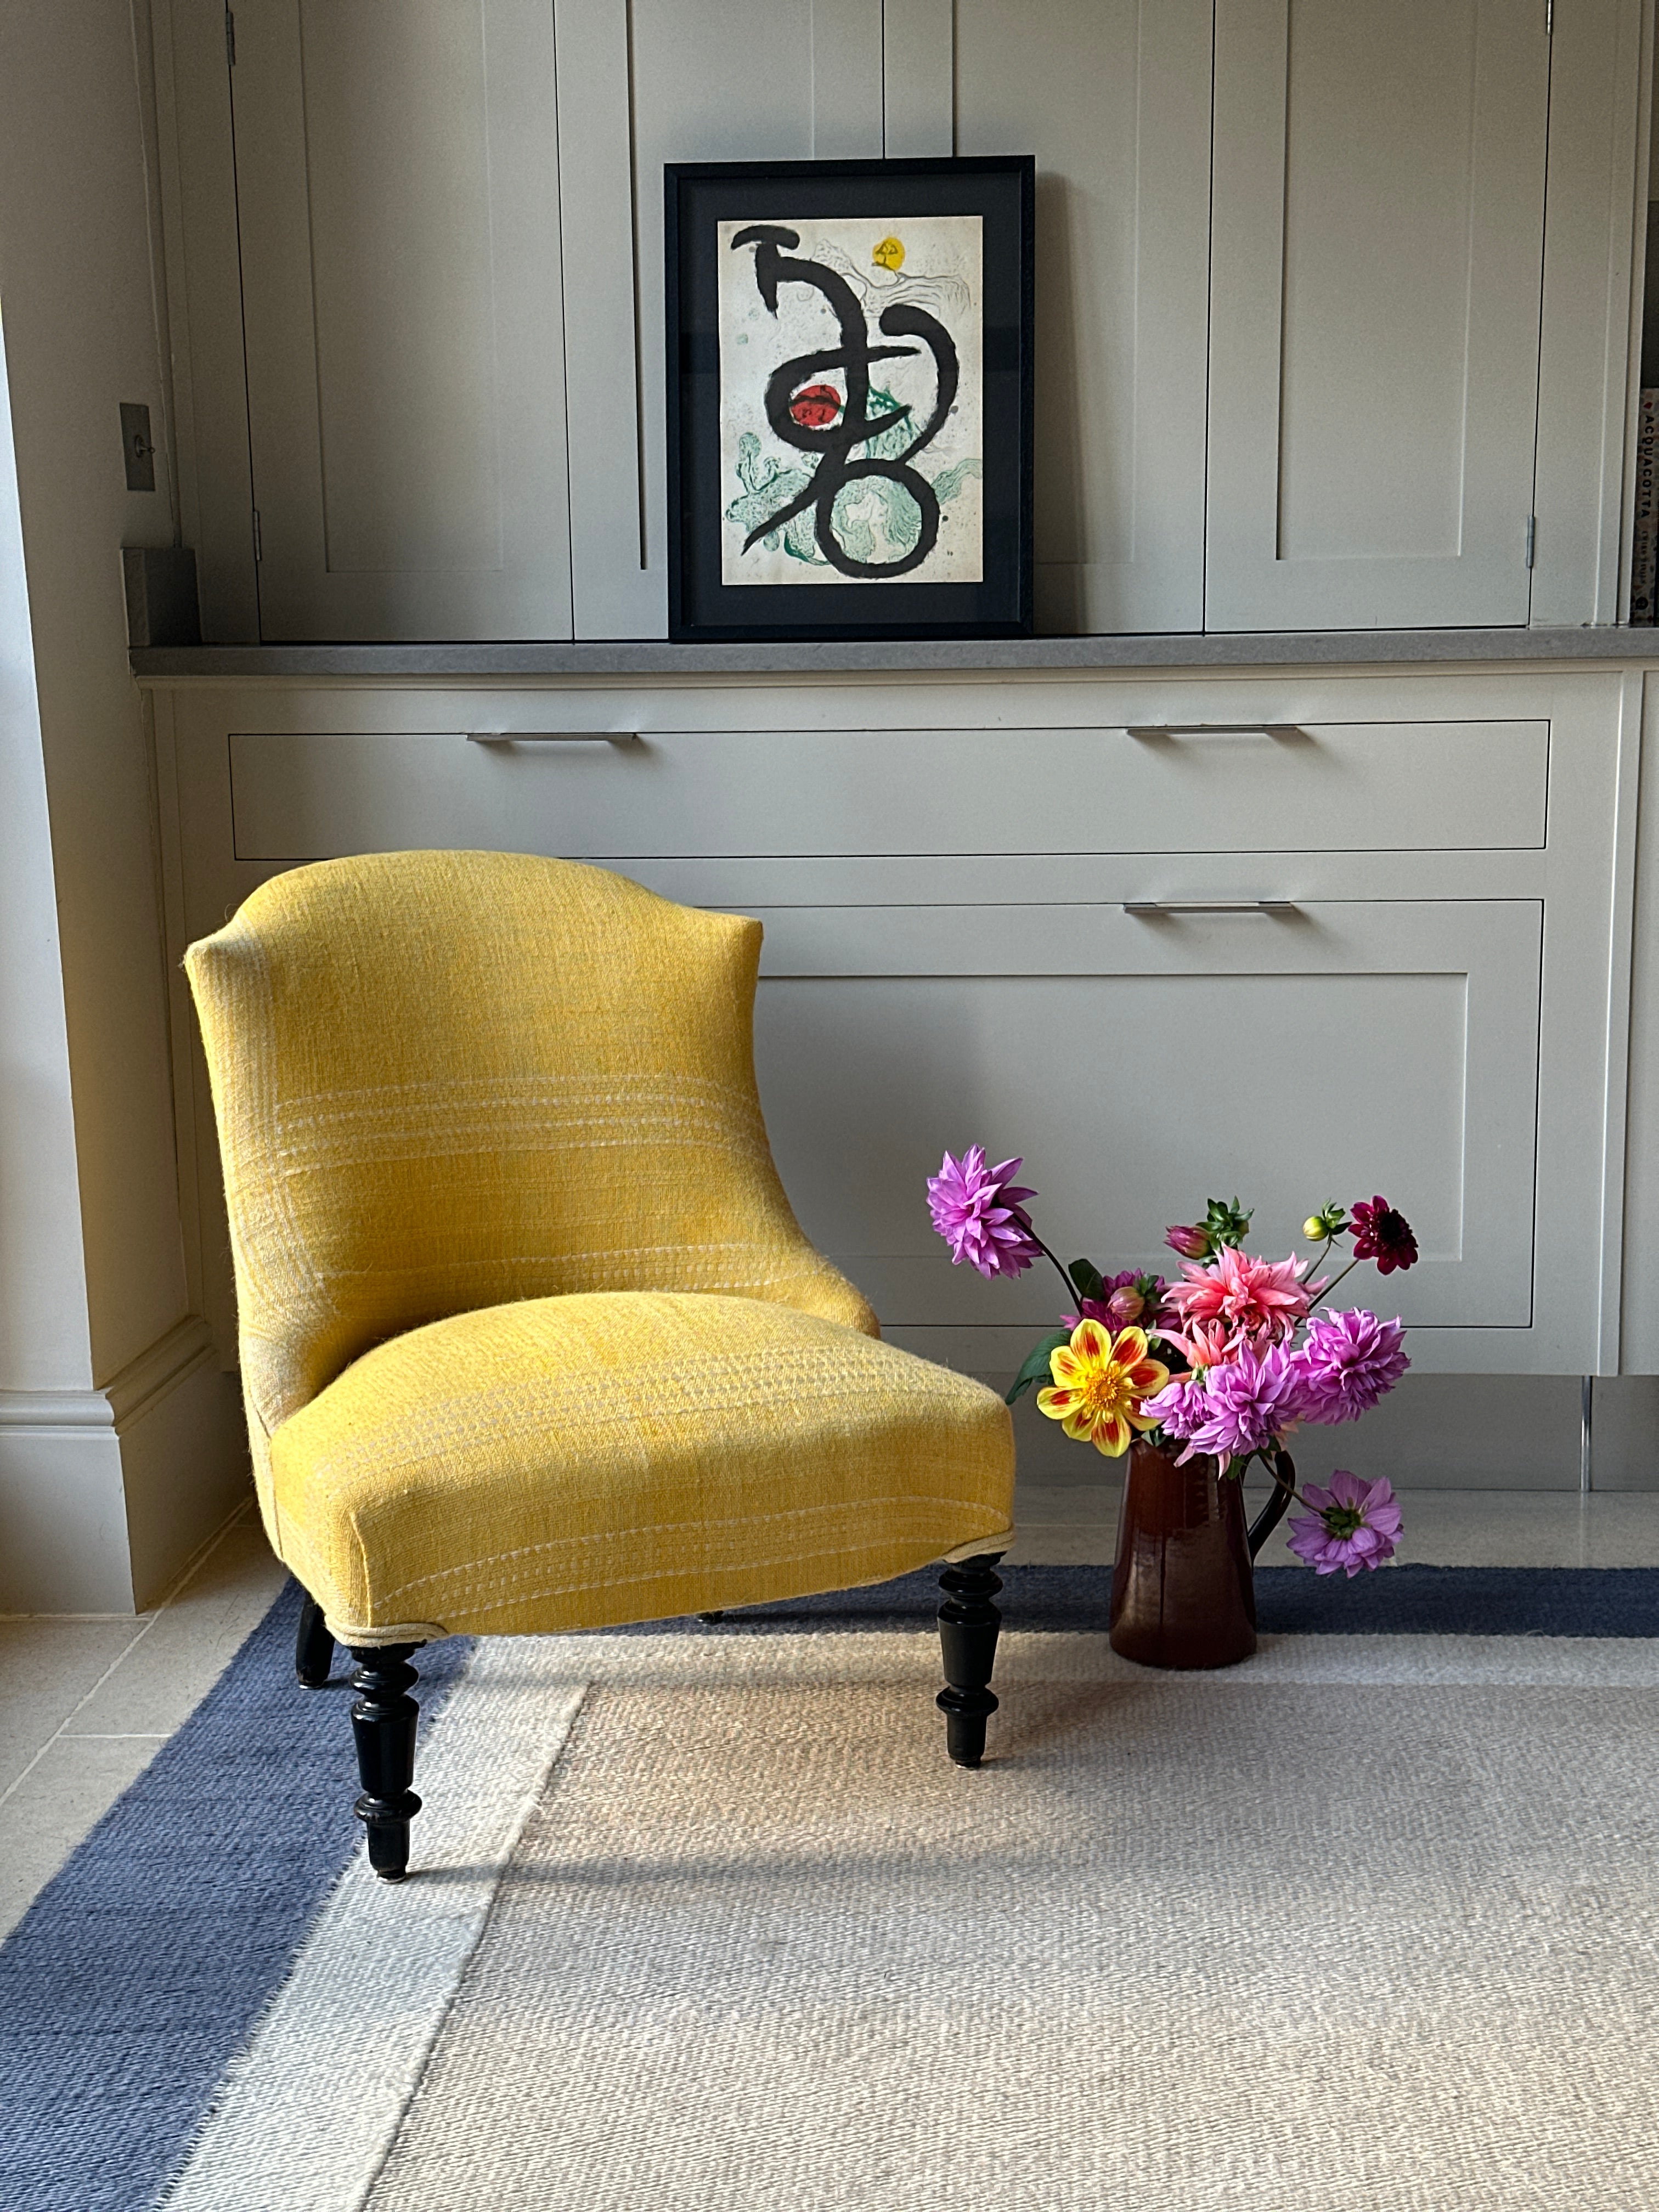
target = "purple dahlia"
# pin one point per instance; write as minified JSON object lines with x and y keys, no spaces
{"x":979,"y":1211}
{"x":1354,"y":1524}
{"x":1347,"y":1362}
{"x":1243,"y":1406}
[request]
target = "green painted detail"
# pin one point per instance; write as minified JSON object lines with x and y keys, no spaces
{"x":766,"y":487}
{"x":868,"y":510}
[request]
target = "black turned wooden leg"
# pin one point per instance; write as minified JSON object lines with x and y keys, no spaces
{"x":383,"y":1721}
{"x":967,"y":1625}
{"x":313,"y":1647}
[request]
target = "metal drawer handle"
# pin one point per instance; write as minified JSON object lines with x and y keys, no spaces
{"x":1280,"y":730}
{"x":1154,"y":907}
{"x":552,"y":737}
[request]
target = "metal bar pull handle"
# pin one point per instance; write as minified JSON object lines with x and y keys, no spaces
{"x":1210,"y":906}
{"x":1280,"y":730}
{"x":552,"y":737}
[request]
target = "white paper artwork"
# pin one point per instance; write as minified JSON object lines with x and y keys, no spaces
{"x":851,"y":417}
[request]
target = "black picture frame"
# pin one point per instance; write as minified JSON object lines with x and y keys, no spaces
{"x":702,"y":608}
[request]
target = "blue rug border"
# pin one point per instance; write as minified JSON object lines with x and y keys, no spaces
{"x":1402,"y":1600}
{"x":138,"y":1973}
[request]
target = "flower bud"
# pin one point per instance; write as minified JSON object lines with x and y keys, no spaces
{"x":1192,"y":1243}
{"x":1126,"y":1306}
{"x":1313,"y":1229}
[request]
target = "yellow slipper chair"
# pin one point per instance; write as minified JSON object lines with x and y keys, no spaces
{"x":531,"y":1341}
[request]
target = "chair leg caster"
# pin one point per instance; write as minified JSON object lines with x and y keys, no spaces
{"x":388,"y":1843}
{"x":964,"y":1733}
{"x":313,"y":1647}
{"x":383,"y":1721}
{"x":968,"y":1627}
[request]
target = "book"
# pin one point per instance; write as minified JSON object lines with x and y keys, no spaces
{"x":1644,"y":544}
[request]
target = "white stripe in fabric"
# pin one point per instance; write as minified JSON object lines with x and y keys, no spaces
{"x":308,"y":2114}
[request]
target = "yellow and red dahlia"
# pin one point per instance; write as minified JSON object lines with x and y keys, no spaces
{"x":1100,"y":1382}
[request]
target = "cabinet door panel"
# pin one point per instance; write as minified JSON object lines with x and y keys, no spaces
{"x":1358,"y":787}
{"x":398,"y":211}
{"x":1359,"y":1046}
{"x":642,"y":82}
{"x":1113,"y":97}
{"x":1377,"y":265}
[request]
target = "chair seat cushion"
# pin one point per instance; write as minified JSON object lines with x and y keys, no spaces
{"x":573,"y":1462}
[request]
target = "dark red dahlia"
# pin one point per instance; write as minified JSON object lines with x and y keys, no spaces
{"x":1382,"y":1235}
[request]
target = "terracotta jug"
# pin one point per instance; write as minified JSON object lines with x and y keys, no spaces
{"x":1183,"y":1594}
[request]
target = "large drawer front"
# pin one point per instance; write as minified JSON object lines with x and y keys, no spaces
{"x":1310,"y":786}
{"x":1343,"y":1048}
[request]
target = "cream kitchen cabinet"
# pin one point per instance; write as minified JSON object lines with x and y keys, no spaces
{"x":1333,"y":297}
{"x":1114,"y":99}
{"x":1377,"y":289}
{"x":1296,"y":933}
{"x":711,"y":793}
{"x":1423,"y":247}
{"x":398,"y":206}
{"x":1126,"y":1053}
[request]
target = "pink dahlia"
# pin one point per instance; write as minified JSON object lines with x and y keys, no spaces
{"x":1205,"y":1343}
{"x":1348,"y":1361}
{"x":1258,"y":1298}
{"x":1355,"y":1524}
{"x":1243,"y":1406}
{"x":1382,"y":1235}
{"x":979,"y":1213}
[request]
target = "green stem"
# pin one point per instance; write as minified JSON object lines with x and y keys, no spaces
{"x":1335,"y":1279}
{"x":1065,"y":1277}
{"x":1241,"y":1467}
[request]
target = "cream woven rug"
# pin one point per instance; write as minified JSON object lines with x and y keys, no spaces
{"x":1370,"y":1924}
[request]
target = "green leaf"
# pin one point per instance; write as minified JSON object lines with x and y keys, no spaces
{"x":1225,"y":1224}
{"x":1090,"y":1282}
{"x":1037,"y":1361}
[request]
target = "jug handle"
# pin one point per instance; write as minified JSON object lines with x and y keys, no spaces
{"x":1278,"y":1504}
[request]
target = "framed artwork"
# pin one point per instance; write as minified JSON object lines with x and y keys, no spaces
{"x":849,"y":398}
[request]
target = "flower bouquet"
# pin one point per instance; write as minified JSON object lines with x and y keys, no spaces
{"x":1213,"y":1370}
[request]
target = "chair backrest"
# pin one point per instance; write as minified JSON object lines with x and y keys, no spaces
{"x":445,"y":1080}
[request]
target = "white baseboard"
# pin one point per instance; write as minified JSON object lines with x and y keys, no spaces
{"x":105,"y":1493}
{"x":184,"y":1470}
{"x":64,"y":1543}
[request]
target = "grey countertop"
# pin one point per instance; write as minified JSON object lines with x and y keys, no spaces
{"x":1035,"y":656}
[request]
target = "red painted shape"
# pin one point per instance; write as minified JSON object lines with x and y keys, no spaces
{"x":816,"y":406}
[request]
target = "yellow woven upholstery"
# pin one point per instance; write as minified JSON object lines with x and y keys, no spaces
{"x":625,"y":1456}
{"x":530,"y":1337}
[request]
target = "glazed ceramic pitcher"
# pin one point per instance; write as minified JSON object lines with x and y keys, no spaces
{"x":1184,"y":1592}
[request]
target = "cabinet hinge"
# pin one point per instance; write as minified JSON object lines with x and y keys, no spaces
{"x":259,"y":542}
{"x":230,"y":39}
{"x":1532,"y":537}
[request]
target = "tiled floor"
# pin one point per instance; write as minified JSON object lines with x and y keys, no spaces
{"x":1076,"y":1524}
{"x":85,"y":1704}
